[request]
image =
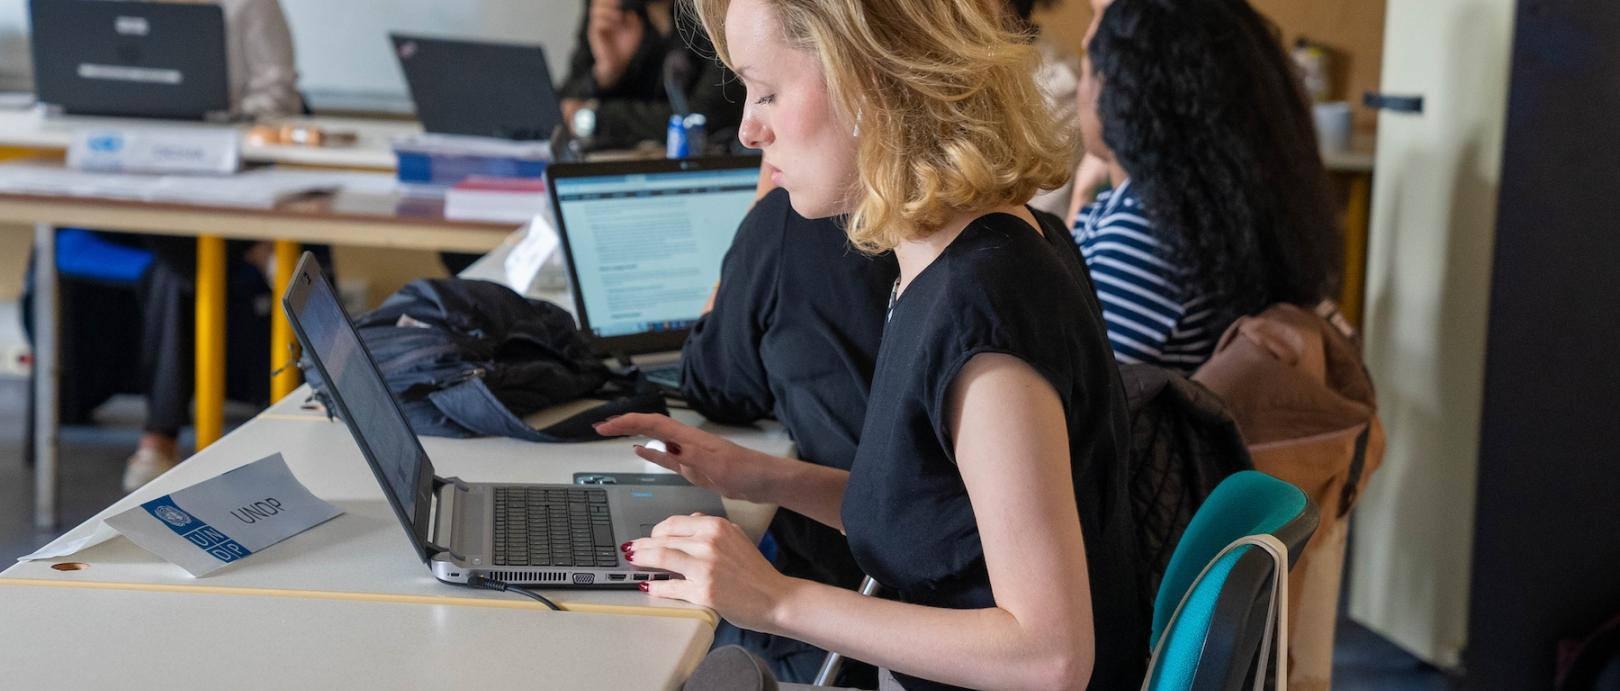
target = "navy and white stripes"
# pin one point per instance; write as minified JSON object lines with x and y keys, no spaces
{"x":1151,"y":318}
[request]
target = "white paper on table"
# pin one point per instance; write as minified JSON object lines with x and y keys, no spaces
{"x":68,"y":545}
{"x":227,"y":518}
{"x":535,"y":262}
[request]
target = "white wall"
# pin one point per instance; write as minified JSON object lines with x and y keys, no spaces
{"x":1428,"y":297}
{"x":343,"y":45}
{"x":15,"y":67}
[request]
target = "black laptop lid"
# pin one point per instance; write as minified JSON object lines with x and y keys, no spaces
{"x":479,"y":88}
{"x":140,"y":59}
{"x":361,"y":399}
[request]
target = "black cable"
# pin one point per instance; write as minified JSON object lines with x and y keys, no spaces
{"x":491,"y":584}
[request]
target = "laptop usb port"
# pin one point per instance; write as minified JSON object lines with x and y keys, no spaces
{"x":615,"y":576}
{"x":640,"y":576}
{"x":660,"y":576}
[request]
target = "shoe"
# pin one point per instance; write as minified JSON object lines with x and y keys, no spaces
{"x":145,"y":466}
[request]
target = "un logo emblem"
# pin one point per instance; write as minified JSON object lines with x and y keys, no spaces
{"x":173,"y":516}
{"x":106,"y":143}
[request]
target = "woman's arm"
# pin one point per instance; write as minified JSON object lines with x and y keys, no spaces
{"x":1012,"y":447}
{"x":271,"y":87}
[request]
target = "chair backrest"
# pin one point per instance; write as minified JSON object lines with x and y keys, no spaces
{"x":1212,"y":644}
{"x":1245,"y":503}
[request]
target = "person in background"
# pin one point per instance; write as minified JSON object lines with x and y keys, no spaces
{"x":259,"y":57}
{"x":1095,"y":170}
{"x":987,"y":489}
{"x":263,"y":83}
{"x":1221,"y":205}
{"x":615,"y":94}
{"x":1058,"y":75}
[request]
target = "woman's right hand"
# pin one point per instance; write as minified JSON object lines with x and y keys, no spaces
{"x":705,"y":459}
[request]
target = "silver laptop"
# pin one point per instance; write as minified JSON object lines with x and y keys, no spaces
{"x":534,"y":535}
{"x":644,"y":241}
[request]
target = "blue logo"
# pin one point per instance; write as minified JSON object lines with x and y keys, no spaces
{"x":172,"y":516}
{"x":106,"y":143}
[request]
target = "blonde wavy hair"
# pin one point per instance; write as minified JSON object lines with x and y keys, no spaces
{"x":951,"y":119}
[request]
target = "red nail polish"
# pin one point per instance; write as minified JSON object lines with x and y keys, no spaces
{"x":642,"y":586}
{"x":674,"y":449}
{"x":625,"y":547}
{"x":629,"y":555}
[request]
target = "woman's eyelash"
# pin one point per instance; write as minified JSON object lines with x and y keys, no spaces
{"x":763,"y":100}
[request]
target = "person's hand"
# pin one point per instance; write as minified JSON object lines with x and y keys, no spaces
{"x":613,"y":34}
{"x":709,"y":305}
{"x":720,"y":567}
{"x":569,"y":107}
{"x":705,"y":459}
{"x":1091,"y":174}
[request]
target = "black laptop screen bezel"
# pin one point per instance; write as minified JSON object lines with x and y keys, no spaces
{"x":645,"y":342}
{"x":294,"y":302}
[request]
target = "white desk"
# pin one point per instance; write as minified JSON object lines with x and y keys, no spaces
{"x":365,"y":550}
{"x":364,"y":219}
{"x":31,"y":129}
{"x":77,"y":638}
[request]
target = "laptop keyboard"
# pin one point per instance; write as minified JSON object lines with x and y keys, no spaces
{"x":667,"y":376}
{"x":553,"y":527}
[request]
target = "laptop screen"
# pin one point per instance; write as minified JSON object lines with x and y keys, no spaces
{"x":356,"y":389}
{"x":645,"y":247}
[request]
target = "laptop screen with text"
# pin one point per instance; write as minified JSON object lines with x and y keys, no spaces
{"x":646,"y":248}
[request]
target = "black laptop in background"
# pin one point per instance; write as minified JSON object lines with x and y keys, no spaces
{"x":133,"y":59}
{"x":479,"y":88}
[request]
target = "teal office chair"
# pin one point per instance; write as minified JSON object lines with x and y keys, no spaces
{"x":1210,"y":617}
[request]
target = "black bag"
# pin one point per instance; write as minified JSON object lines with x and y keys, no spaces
{"x":469,"y":358}
{"x":1183,"y":443}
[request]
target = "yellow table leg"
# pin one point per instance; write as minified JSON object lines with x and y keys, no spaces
{"x":210,"y":359}
{"x":283,"y":349}
{"x":1357,"y":212}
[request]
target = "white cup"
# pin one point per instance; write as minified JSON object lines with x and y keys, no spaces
{"x":1332,"y":125}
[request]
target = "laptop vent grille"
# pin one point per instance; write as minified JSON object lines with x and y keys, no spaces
{"x":529,"y":576}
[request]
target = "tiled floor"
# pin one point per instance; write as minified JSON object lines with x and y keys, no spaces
{"x":92,"y":460}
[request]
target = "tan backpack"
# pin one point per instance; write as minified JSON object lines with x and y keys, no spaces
{"x":1294,"y":382}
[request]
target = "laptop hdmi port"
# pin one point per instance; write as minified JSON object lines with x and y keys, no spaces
{"x":615,"y":576}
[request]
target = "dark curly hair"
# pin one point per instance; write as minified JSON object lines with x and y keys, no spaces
{"x":1204,"y":110}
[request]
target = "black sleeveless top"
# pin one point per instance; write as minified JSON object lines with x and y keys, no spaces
{"x":998,"y":288}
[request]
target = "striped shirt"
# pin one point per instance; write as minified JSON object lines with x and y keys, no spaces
{"x":1151,"y":318}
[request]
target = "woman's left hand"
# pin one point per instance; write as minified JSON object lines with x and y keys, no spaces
{"x":721,"y":568}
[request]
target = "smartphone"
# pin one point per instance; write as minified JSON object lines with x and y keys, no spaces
{"x":629,"y":479}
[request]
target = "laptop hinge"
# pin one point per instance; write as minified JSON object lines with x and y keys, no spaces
{"x":444,"y":515}
{"x":440,"y":482}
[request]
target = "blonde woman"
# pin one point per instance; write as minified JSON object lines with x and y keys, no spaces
{"x":987,"y":491}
